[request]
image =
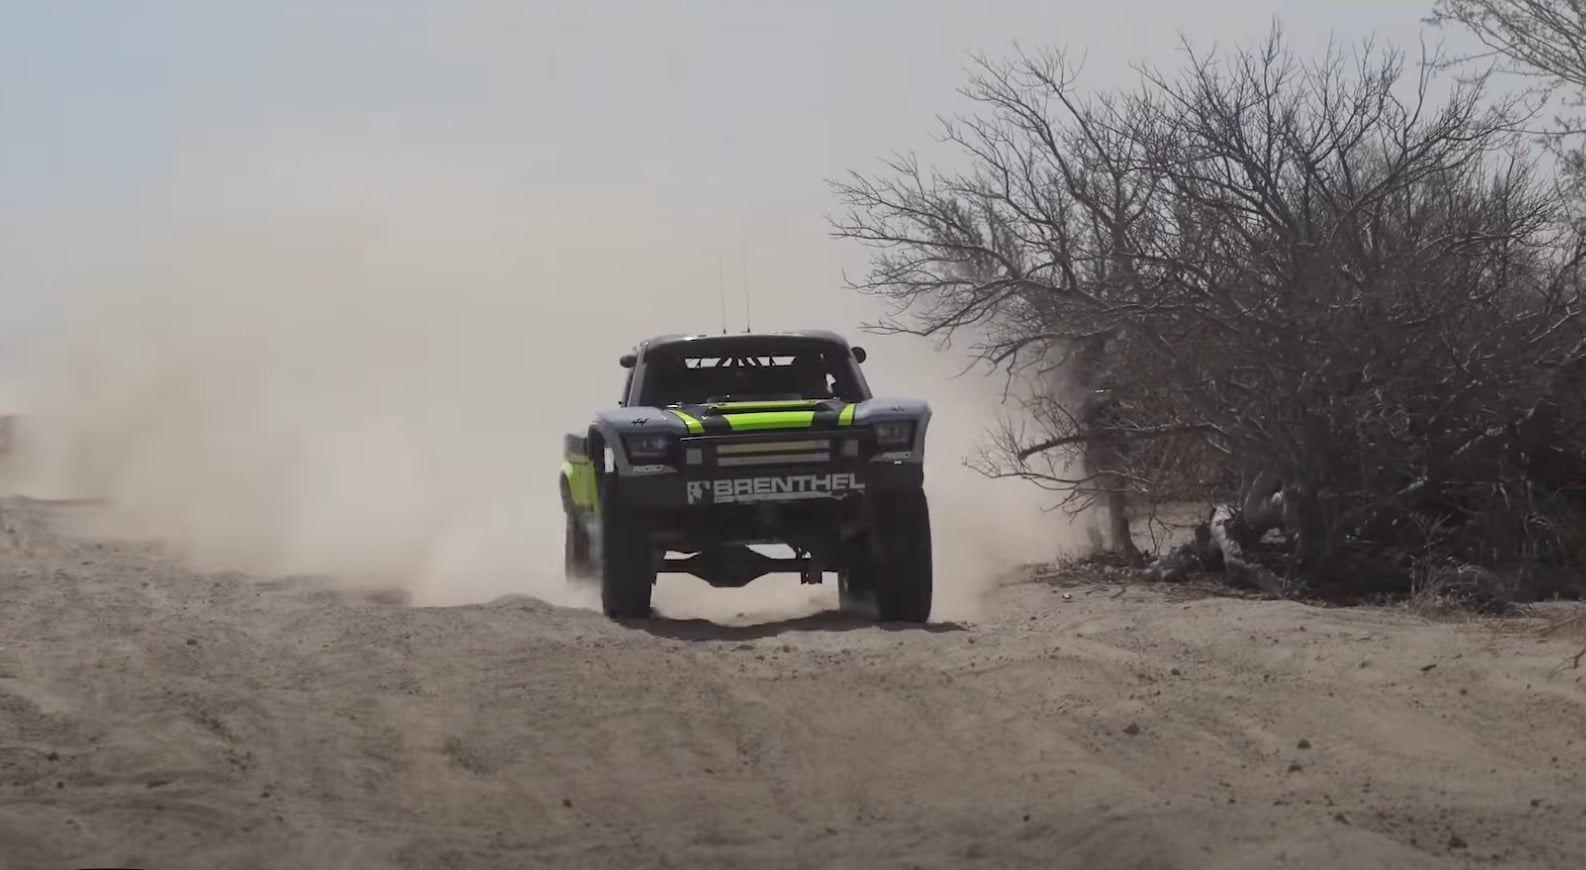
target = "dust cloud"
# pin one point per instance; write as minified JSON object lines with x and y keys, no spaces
{"x":375,"y":388}
{"x":329,"y":356}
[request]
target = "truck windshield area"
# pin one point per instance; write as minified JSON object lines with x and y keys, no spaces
{"x":703,"y":374}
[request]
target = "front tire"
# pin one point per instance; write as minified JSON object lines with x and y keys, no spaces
{"x":856,"y":580}
{"x":627,"y":558}
{"x":900,"y":531}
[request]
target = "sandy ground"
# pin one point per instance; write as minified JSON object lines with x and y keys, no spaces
{"x":151,"y":717}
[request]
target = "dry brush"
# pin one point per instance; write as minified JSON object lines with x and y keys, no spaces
{"x":1302,"y":290}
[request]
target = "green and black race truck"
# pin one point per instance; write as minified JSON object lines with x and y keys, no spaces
{"x":720,"y":443}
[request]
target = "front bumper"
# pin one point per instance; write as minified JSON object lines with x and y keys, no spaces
{"x":769,"y":468}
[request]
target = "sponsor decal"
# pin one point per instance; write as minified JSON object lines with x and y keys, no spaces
{"x":784,"y":487}
{"x":650,"y":469}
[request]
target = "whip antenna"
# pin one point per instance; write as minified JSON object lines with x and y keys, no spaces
{"x":748,"y":325}
{"x":721,"y":289}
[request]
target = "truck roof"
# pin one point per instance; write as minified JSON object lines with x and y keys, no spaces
{"x":742,"y":338}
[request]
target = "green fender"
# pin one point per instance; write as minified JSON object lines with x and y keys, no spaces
{"x":578,"y":476}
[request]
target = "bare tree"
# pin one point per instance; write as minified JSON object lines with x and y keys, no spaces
{"x":1543,"y":41}
{"x":1540,"y":39}
{"x":1344,"y":225}
{"x":1258,"y":274}
{"x":1031,"y":248}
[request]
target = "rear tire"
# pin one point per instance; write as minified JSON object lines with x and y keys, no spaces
{"x":577,"y":562}
{"x":576,"y":558}
{"x":627,"y":559}
{"x":901,"y":542}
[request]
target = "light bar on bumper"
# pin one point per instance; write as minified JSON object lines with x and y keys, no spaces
{"x":804,"y":450}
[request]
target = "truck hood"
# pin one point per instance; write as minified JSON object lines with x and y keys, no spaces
{"x":725,"y":417}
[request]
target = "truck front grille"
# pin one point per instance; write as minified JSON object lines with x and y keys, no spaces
{"x":806,"y":450}
{"x":755,"y":451}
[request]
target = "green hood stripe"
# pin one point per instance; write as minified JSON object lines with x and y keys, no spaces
{"x":695,"y":427}
{"x":728,"y":417}
{"x":771,"y":420}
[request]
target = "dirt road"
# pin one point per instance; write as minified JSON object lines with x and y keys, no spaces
{"x":153,"y":718}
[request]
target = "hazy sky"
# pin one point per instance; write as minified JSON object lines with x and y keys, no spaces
{"x":714,"y":123}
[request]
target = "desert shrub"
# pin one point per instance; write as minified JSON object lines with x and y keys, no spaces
{"x":1348,"y":314}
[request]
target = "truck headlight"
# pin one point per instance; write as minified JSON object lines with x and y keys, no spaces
{"x":894,"y":435}
{"x":649,"y":446}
